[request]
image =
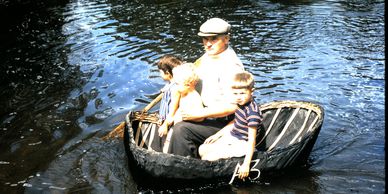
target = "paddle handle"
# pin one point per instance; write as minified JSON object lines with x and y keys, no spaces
{"x":153,"y":102}
{"x":118,"y":131}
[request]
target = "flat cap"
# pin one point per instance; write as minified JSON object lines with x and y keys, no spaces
{"x":214,"y":27}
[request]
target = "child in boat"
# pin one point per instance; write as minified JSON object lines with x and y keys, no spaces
{"x":170,"y":98}
{"x":188,"y":97}
{"x":238,"y":138}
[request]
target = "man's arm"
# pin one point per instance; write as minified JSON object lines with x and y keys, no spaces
{"x":215,"y":111}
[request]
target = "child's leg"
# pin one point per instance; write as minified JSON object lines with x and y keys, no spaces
{"x":225,"y":147}
{"x":208,"y":151}
{"x":213,"y":151}
{"x":167,"y":142}
{"x":203,"y":150}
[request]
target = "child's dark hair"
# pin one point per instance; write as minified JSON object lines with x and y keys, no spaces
{"x":168,"y":62}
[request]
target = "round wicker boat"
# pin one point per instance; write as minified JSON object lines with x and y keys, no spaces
{"x":291,"y":129}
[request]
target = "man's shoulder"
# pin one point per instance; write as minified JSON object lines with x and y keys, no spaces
{"x":227,"y":59}
{"x":232,"y":58}
{"x":198,"y":62}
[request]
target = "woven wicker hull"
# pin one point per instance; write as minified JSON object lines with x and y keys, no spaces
{"x":291,"y":129}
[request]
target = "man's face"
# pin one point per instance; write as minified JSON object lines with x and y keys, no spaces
{"x":215,"y":44}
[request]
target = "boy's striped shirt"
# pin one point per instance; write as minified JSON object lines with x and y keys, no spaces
{"x":246,"y":115}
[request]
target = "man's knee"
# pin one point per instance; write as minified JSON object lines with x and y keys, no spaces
{"x":180,"y":129}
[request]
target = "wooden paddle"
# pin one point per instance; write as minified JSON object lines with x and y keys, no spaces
{"x":118,"y":131}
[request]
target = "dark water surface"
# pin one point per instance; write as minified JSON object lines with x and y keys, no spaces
{"x":69,"y":76}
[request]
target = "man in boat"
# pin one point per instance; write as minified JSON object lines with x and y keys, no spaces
{"x":215,"y":68}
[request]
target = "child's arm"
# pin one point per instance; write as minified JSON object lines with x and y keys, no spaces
{"x":198,"y":104}
{"x":175,"y":98}
{"x":245,"y":167}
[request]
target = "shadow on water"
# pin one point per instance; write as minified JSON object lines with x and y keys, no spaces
{"x":36,"y":118}
{"x":19,"y":19}
{"x":88,"y":166}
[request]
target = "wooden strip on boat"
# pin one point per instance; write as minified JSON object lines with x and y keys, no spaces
{"x":167,"y":142}
{"x":313,"y":123}
{"x":151,"y":136}
{"x":270,"y":126}
{"x":138,"y":133}
{"x":284,"y":129}
{"x":301,"y":128}
{"x":147,"y":130}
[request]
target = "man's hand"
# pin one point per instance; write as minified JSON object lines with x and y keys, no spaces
{"x":192,"y":115}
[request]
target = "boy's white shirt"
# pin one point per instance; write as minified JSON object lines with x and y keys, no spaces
{"x":187,"y":103}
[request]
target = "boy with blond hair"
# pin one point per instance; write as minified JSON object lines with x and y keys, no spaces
{"x":238,"y":138}
{"x":187,"y":98}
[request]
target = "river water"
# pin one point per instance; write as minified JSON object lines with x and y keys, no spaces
{"x":69,"y":76}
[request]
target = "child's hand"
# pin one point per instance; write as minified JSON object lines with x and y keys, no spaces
{"x":160,"y":122}
{"x":163,"y":130}
{"x":243,"y":172}
{"x":211,"y":139}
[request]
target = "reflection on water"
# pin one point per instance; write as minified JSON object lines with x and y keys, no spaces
{"x":73,"y":74}
{"x":87,"y":166}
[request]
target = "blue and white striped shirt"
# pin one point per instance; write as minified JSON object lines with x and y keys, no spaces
{"x":247,"y":115}
{"x":165,"y":103}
